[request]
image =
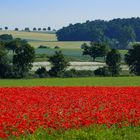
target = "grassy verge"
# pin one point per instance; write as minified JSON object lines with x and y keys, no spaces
{"x":91,"y":133}
{"x":95,"y":81}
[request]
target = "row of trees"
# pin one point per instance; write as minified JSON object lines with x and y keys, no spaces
{"x":118,"y":33}
{"x":17,"y":56}
{"x":112,"y":59}
{"x":37,"y":29}
{"x":28,"y":29}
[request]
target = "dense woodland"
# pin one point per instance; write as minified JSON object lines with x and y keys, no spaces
{"x":118,"y":33}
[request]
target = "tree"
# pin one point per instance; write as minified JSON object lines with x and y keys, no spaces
{"x":102,"y":71}
{"x":16,"y":29}
{"x":95,"y":50}
{"x":113,"y":60}
{"x":34,"y":29}
{"x":4,"y":63}
{"x":132,"y":58}
{"x":6,"y":37}
{"x":126,"y":36}
{"x":41,"y":72}
{"x":39,"y":29}
{"x":27,"y":29}
{"x":49,"y":28}
{"x":23,"y":59}
{"x":44,"y":29}
{"x":15,"y":43}
{"x":6,"y":28}
{"x":118,"y":32}
{"x":59,"y":64}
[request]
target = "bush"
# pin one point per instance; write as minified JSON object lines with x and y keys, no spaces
{"x":113,"y":61}
{"x":56,"y":47}
{"x":43,"y":47}
{"x":41,"y":72}
{"x":132,"y":58}
{"x":59,"y":64}
{"x":78,"y":73}
{"x":102,"y":72}
{"x":6,"y":37}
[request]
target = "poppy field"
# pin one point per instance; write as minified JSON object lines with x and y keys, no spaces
{"x":26,"y":109}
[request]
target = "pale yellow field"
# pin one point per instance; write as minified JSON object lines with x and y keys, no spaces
{"x":36,"y":36}
{"x":63,"y":45}
{"x":41,"y":38}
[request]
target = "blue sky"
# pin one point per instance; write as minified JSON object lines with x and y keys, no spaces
{"x":58,"y":13}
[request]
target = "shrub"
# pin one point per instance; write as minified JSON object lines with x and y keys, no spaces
{"x":6,"y":37}
{"x":78,"y":73}
{"x":43,"y":47}
{"x":102,"y":72}
{"x":59,"y":64}
{"x":132,"y":58}
{"x":41,"y":72}
{"x":113,"y":61}
{"x":56,"y":47}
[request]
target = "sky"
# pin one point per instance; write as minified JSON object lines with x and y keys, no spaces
{"x":59,"y":13}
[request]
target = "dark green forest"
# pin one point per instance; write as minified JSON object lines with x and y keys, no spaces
{"x":118,"y":33}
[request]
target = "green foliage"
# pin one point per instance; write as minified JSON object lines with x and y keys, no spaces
{"x":4,"y":62}
{"x":117,"y":32}
{"x":95,"y":50}
{"x":49,"y":28}
{"x":6,"y":37}
{"x":41,"y":72}
{"x":113,"y":60}
{"x":56,"y":47}
{"x":132,"y":58}
{"x":43,"y":47}
{"x":23,"y":58}
{"x":16,"y":29}
{"x":59,"y":64}
{"x":102,"y":72}
{"x":15,"y":43}
{"x":78,"y":73}
{"x":127,"y":35}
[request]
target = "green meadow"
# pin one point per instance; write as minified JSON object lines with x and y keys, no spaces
{"x":95,"y":81}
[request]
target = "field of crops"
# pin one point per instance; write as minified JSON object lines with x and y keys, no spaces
{"x":68,"y":108}
{"x":71,"y":49}
{"x":24,"y":110}
{"x":44,"y":38}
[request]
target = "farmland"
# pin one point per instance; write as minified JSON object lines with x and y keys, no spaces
{"x":71,"y":49}
{"x":68,"y":108}
{"x":76,"y":109}
{"x":43,"y":38}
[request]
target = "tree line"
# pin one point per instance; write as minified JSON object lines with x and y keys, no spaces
{"x":28,"y":29}
{"x":118,"y":33}
{"x":17,"y":57}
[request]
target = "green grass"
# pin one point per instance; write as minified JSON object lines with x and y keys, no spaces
{"x":91,"y":133}
{"x":71,"y":54}
{"x":95,"y":81}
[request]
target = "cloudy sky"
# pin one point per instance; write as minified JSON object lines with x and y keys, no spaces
{"x":58,"y":13}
